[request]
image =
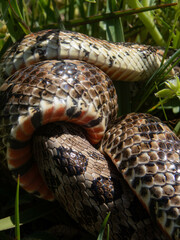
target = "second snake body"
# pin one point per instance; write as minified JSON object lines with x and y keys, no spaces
{"x":121,"y":61}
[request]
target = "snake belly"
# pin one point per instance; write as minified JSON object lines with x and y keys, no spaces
{"x":144,"y":151}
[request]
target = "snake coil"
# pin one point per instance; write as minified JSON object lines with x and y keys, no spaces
{"x":57,"y":100}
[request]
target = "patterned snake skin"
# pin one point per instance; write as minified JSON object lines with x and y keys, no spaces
{"x":62,"y":100}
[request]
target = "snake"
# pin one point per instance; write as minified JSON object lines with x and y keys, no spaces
{"x":59,"y":132}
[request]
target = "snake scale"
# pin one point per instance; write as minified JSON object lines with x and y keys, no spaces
{"x":57,"y":101}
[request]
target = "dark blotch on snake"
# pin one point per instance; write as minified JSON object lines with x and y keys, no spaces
{"x":15,"y":144}
{"x":159,"y":127}
{"x":86,"y":53}
{"x":110,"y":62}
{"x":152,"y":127}
{"x":75,"y":38}
{"x":67,"y":165}
{"x":107,"y":189}
{"x":62,"y":66}
{"x":40,"y":51}
{"x":144,"y":128}
{"x":36,"y":118}
{"x":46,"y":35}
{"x":71,"y":112}
{"x":94,"y":122}
{"x":104,"y":189}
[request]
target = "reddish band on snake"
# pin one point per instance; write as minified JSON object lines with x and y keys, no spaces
{"x":57,"y":76}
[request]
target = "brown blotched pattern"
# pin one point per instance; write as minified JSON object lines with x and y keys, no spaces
{"x":50,"y":91}
{"x":57,"y":161}
{"x":147,"y":153}
{"x":88,"y":186}
{"x":121,"y":61}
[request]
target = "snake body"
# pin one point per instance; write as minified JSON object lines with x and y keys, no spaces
{"x":64,"y":76}
{"x":120,"y":61}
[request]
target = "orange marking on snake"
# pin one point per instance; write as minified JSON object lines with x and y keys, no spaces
{"x":94,"y":141}
{"x":28,"y":126}
{"x":95,"y":134}
{"x":94,"y":137}
{"x":34,"y":185}
{"x":33,"y":182}
{"x":99,"y":129}
{"x":20,"y":135}
{"x":59,"y":115}
{"x":110,"y":71}
{"x":32,"y":179}
{"x":49,"y":196}
{"x":15,"y":154}
{"x":118,"y":74}
{"x":87,"y":119}
{"x":45,"y":192}
{"x":30,"y":62}
{"x":23,"y":65}
{"x":28,"y":178}
{"x":20,"y":160}
{"x":47,"y":115}
{"x":79,"y":120}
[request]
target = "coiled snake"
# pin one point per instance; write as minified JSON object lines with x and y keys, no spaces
{"x":66,"y":77}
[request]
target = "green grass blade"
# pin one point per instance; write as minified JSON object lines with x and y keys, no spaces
{"x":158,"y":77}
{"x":92,"y":10}
{"x":114,"y":28}
{"x":107,"y":231}
{"x":105,"y":16}
{"x":148,"y":21}
{"x":33,"y":213}
{"x":177,"y":129}
{"x":115,"y":33}
{"x":6,"y":223}
{"x":103,"y":226}
{"x":17,"y":15}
